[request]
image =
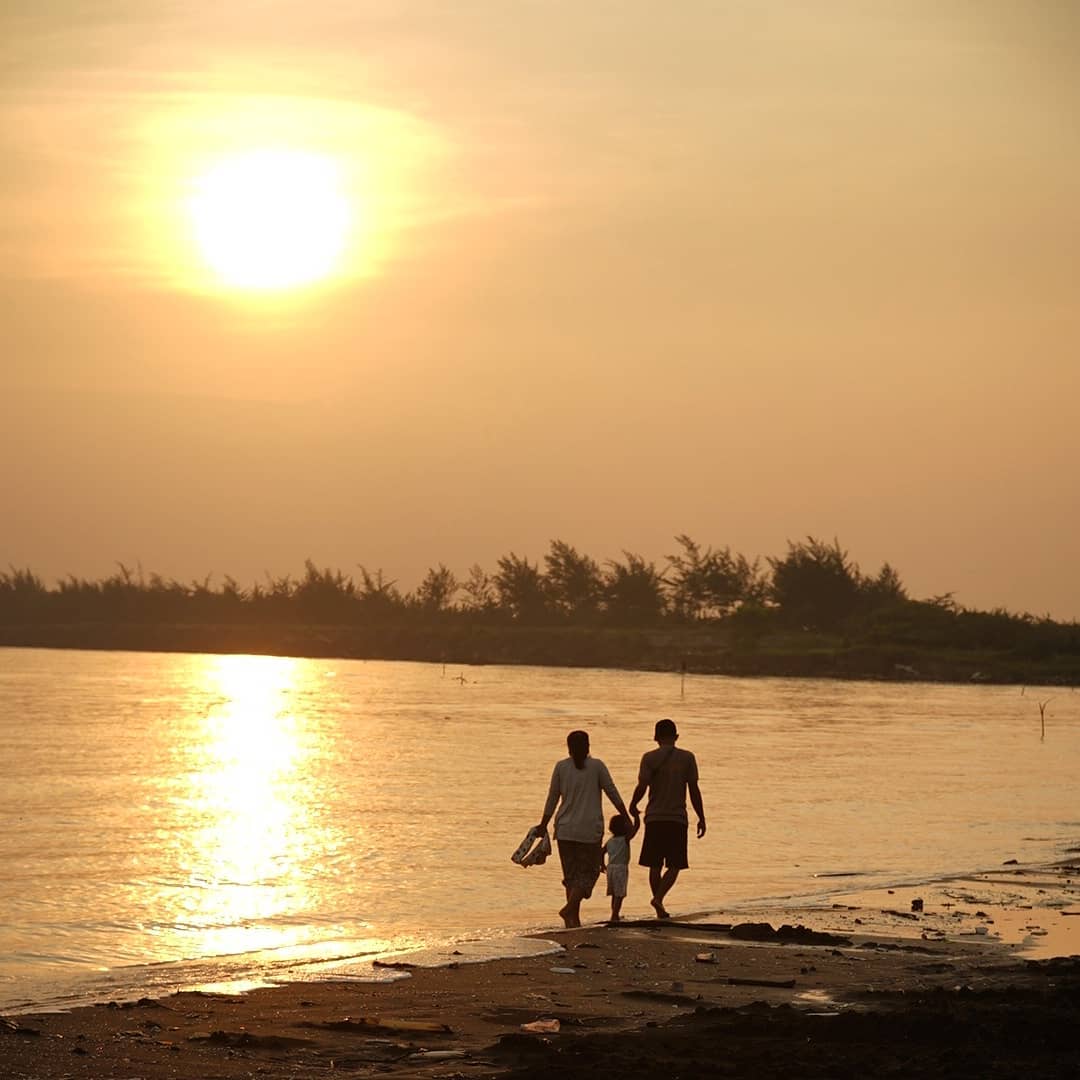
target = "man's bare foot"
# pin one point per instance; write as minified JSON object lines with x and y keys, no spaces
{"x":564,"y":914}
{"x":661,"y":912}
{"x":615,"y":918}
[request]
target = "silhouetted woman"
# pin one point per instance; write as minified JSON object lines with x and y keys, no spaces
{"x":576,"y":784}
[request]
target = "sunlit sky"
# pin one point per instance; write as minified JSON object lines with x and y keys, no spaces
{"x":604,"y":272}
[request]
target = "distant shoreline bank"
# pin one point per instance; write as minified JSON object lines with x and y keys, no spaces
{"x":697,"y":651}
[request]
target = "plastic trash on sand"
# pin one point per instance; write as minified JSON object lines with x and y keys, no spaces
{"x":543,"y":1027}
{"x":563,"y":970}
{"x":706,"y":958}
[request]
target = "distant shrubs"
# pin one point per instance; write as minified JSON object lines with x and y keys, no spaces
{"x":814,"y":588}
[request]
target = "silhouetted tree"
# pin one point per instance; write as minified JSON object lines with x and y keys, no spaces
{"x":633,"y":591}
{"x":519,"y":586}
{"x":377,"y":595}
{"x":479,"y":590}
{"x":815,"y":584}
{"x":707,"y":584}
{"x":886,"y":588}
{"x":324,"y":594}
{"x":574,"y":581}
{"x":435,"y":592}
{"x":22,"y":594}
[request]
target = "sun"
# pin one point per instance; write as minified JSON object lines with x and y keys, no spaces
{"x":271,"y":219}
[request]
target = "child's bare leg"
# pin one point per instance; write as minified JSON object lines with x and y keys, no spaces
{"x":616,"y":907}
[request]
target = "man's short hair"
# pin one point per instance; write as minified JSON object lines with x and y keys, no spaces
{"x":665,"y":729}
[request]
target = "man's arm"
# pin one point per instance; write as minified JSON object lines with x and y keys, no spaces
{"x":612,"y":792}
{"x":699,"y":807}
{"x":644,"y":776}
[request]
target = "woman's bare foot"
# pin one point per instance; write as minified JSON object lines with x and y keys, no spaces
{"x":661,"y":912}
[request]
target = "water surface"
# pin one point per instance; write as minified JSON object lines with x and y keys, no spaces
{"x":172,"y":819}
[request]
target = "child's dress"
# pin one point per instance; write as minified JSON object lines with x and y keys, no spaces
{"x":618,"y":865}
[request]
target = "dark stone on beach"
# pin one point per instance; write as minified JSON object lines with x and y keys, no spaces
{"x":786,"y":935}
{"x":516,"y":1045}
{"x":245,"y":1040}
{"x":1010,"y":862}
{"x":662,"y":997}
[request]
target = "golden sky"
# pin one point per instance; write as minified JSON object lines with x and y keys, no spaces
{"x":607,"y":272}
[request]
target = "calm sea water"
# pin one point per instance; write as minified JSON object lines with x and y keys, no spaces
{"x":173,"y":820}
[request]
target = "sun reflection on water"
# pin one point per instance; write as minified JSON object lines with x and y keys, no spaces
{"x":248,"y":845}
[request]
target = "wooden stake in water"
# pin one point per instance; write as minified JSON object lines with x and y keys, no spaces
{"x":1042,"y":715}
{"x":682,"y":683}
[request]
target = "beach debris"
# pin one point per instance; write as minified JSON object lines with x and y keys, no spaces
{"x":670,"y":924}
{"x":542,"y":1027}
{"x":786,"y":935}
{"x":662,"y":997}
{"x":1010,"y":862}
{"x":372,"y":1025}
{"x":247,"y":1040}
{"x":898,"y":914}
{"x":917,"y":904}
{"x":436,"y":1055}
{"x":778,"y":984}
{"x":706,"y":958}
{"x":563,"y":970}
{"x":398,"y":965}
{"x":12,"y":1028}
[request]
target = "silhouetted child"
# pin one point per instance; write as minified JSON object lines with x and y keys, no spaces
{"x":617,"y":859}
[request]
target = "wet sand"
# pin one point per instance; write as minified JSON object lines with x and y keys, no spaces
{"x":865,"y":986}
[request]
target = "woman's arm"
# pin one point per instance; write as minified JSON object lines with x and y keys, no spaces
{"x":554,"y":791}
{"x":609,"y":789}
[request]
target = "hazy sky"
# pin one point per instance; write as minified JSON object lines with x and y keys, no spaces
{"x":748,"y":269}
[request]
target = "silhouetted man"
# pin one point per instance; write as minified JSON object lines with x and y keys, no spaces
{"x":668,"y":774}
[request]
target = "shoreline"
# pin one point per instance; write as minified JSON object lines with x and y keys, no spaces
{"x":648,"y":994}
{"x":990,"y":906}
{"x":597,"y":649}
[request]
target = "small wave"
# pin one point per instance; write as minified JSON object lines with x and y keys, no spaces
{"x":846,"y":873}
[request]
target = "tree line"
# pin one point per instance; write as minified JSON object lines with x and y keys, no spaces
{"x":815,"y":586}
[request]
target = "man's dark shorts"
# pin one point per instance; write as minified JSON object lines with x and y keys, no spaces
{"x":665,"y":842}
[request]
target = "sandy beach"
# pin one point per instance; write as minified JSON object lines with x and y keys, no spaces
{"x":975,"y":976}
